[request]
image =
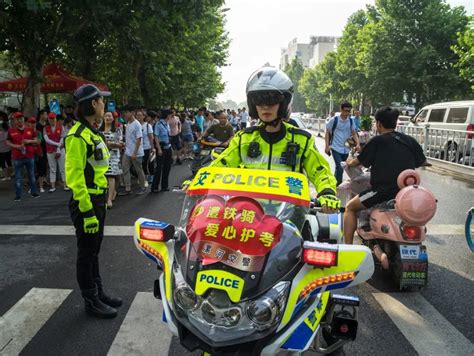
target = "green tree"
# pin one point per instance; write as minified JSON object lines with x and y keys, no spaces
{"x":398,"y":51}
{"x":310,"y":86}
{"x":153,"y":52}
{"x":412,"y":40}
{"x":352,"y":76}
{"x":30,"y":43}
{"x":295,"y":71}
{"x":465,"y":51}
{"x":321,"y":85}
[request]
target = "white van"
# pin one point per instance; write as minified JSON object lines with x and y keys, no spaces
{"x":445,"y":120}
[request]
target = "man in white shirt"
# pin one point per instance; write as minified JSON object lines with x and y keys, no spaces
{"x":244,"y":117}
{"x":134,"y":153}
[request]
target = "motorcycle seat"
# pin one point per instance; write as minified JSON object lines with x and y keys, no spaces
{"x":386,"y":205}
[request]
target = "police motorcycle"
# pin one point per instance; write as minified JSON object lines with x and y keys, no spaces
{"x":243,"y":273}
{"x":204,"y":152}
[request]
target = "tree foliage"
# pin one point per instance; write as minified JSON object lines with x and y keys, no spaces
{"x":465,"y":51}
{"x":295,"y":71}
{"x":160,"y":53}
{"x":397,"y":51}
{"x":319,"y":85}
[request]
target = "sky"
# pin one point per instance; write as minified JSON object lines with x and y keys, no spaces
{"x":259,"y":29}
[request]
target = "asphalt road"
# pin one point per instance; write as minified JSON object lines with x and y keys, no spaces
{"x":36,"y":262}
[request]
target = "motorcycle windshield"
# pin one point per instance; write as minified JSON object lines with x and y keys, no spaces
{"x":240,"y":230}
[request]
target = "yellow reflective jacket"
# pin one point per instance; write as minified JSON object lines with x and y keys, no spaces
{"x":87,"y":161}
{"x":274,"y":155}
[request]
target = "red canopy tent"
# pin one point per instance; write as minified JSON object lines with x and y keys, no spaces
{"x":56,"y":80}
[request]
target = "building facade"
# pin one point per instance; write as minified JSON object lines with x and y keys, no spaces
{"x":310,"y":54}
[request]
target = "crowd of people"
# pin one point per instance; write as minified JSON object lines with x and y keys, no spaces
{"x":143,"y":143}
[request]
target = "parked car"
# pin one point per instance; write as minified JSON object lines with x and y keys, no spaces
{"x":404,"y":120}
{"x":297,"y":118}
{"x":447,"y":121}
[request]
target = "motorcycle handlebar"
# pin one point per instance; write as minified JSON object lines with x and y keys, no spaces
{"x":316,"y":207}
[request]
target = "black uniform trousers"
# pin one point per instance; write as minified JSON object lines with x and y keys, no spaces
{"x":162,"y":169}
{"x":88,"y":245}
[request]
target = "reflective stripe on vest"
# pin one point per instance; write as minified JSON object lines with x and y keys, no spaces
{"x":276,"y":162}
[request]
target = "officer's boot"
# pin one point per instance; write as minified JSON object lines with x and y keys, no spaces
{"x":111,"y":301}
{"x":94,"y":306}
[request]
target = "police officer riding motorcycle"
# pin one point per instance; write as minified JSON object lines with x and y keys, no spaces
{"x":240,"y":274}
{"x":274,"y":144}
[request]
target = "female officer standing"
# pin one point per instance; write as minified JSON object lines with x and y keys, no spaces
{"x":86,"y":164}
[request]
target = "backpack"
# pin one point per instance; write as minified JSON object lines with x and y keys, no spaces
{"x":334,"y":125}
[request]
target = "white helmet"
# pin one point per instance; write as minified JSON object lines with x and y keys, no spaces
{"x":269,"y":85}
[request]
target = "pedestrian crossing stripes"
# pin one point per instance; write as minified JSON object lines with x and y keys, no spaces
{"x":25,"y":318}
{"x":65,"y":230}
{"x":423,"y":326}
{"x":143,"y":333}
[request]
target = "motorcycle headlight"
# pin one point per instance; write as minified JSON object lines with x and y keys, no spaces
{"x":208,"y":313}
{"x":262,"y":312}
{"x":185,"y":298}
{"x":219,"y":319}
{"x":231,"y":317}
{"x":266,"y":311}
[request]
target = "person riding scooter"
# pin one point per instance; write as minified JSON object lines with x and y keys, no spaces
{"x":387,"y":155}
{"x":274,"y":144}
{"x":222,"y":131}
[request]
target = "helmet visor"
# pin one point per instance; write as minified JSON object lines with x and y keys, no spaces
{"x":267,"y":98}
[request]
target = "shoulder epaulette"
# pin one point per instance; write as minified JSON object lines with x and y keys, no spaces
{"x":79,"y":130}
{"x":251,"y":129}
{"x":298,"y":131}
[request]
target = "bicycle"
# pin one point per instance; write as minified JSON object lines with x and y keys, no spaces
{"x":469,"y":229}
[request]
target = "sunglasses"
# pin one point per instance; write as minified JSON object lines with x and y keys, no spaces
{"x":267,"y":98}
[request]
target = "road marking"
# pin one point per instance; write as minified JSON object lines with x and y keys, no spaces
{"x":436,"y":229}
{"x":66,"y":230}
{"x":423,"y":326}
{"x":60,"y":230}
{"x":142,"y":332}
{"x":21,"y":323}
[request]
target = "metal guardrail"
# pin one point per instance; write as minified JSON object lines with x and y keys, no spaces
{"x":318,"y":125}
{"x":454,"y":147}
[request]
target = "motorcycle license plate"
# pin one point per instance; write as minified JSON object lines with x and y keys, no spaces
{"x":410,"y":252}
{"x":414,"y":265}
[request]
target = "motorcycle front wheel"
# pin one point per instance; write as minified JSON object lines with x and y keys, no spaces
{"x":324,"y":343}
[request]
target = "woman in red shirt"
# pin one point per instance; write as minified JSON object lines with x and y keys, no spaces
{"x":53,"y":135}
{"x":23,"y":140}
